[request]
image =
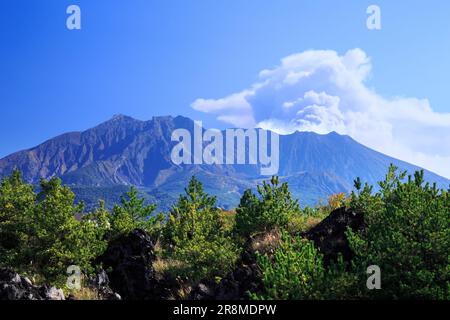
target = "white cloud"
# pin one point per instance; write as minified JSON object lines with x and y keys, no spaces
{"x":322,"y":91}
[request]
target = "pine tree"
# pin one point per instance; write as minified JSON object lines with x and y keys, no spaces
{"x":273,"y":206}
{"x":132,"y":213}
{"x":195,"y":231}
{"x":194,"y":214}
{"x":407,"y":236}
{"x":17,"y":201}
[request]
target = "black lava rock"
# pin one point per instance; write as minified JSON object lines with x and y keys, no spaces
{"x":128,"y":261}
{"x":329,"y":235}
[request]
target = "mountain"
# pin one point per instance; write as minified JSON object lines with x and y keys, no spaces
{"x":104,"y":161}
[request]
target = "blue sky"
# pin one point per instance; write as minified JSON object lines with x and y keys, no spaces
{"x":156,"y":57}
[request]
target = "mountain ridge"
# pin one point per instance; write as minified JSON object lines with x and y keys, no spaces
{"x":124,"y":151}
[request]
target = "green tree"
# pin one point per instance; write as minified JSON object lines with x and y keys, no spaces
{"x":48,"y":230}
{"x":407,"y":236}
{"x":195,"y":231}
{"x":17,"y":200}
{"x":194,"y":214}
{"x":296,"y":272}
{"x":132,"y":213}
{"x":59,"y":236}
{"x":273,"y":207}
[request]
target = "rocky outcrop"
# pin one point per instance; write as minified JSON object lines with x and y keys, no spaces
{"x":329,"y":235}
{"x":15,"y":287}
{"x":246,"y":277}
{"x":128,"y":261}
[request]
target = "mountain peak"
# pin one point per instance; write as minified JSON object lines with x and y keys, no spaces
{"x":119,"y":117}
{"x":118,"y":120}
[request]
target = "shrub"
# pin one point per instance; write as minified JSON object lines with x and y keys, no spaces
{"x":17,"y":201}
{"x":273,"y":207}
{"x":49,"y":236}
{"x":296,"y":272}
{"x":132,"y":214}
{"x":57,"y":238}
{"x":407,"y":236}
{"x":196,"y":232}
{"x":204,"y":258}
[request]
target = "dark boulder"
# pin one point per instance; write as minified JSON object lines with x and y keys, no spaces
{"x":329,"y":235}
{"x":128,"y":261}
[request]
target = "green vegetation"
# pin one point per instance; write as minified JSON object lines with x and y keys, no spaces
{"x":132,"y":214}
{"x":198,"y":236}
{"x":42,"y":232}
{"x":406,"y":234}
{"x":296,"y":272}
{"x":273,"y":207}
